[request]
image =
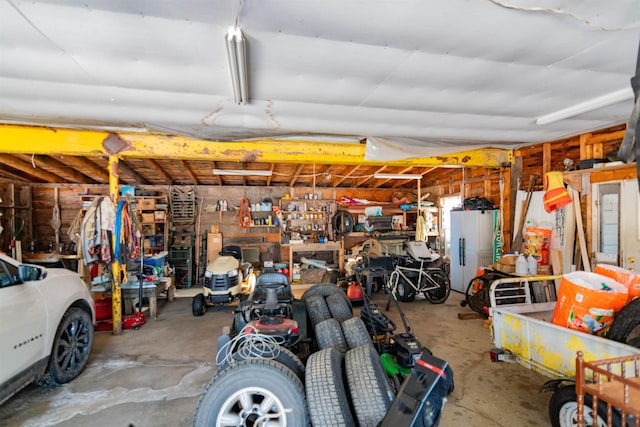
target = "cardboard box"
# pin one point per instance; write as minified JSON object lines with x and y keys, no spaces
{"x":148,"y":218}
{"x":146,"y":204}
{"x":214,"y":246}
{"x":507,"y":264}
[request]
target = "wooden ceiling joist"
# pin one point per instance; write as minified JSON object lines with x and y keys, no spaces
{"x":138,"y":178}
{"x":59,"y":168}
{"x":88,"y":167}
{"x":192,"y":175}
{"x":156,"y":167}
{"x":28,"y":168}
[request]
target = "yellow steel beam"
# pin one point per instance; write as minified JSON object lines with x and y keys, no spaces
{"x":45,"y":140}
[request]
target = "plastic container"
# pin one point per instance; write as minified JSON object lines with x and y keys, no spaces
{"x":532,"y":265}
{"x":621,"y":275}
{"x":522,"y":267}
{"x":587,"y":302}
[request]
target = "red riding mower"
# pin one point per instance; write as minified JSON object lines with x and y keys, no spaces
{"x":270,"y":311}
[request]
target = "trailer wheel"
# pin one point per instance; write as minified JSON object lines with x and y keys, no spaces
{"x":563,"y":409}
{"x":625,"y":322}
{"x":329,"y":334}
{"x":339,"y":307}
{"x":317,"y":309}
{"x":369,"y":385}
{"x":198,"y":305}
{"x":439,"y":295}
{"x":326,"y":394}
{"x":251,"y":390}
{"x":322,"y":289}
{"x":355,"y":332}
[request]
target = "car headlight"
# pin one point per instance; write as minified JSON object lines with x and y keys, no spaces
{"x":208,"y":274}
{"x":232,"y":273}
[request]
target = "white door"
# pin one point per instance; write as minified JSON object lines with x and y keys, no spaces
{"x":630,"y":226}
{"x":616,"y":224}
{"x":606,"y":223}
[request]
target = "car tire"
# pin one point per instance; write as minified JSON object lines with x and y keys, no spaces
{"x":355,"y":332}
{"x":276,"y":353}
{"x":317,"y":309}
{"x":339,"y":307}
{"x":369,"y":386}
{"x":440,"y":295}
{"x":326,"y":393}
{"x":253,"y":381}
{"x":322,"y":289}
{"x":563,"y":409}
{"x":329,"y":335}
{"x":198,"y":305}
{"x":71,"y":346}
{"x":625,"y":322}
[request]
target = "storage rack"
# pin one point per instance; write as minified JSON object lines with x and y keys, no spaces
{"x":183,"y":237}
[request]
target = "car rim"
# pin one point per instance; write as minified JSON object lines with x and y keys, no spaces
{"x":569,"y":416}
{"x":73,"y":346}
{"x":252,"y":406}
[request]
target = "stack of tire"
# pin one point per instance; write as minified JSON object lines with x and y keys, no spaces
{"x":342,"y":384}
{"x":345,"y":381}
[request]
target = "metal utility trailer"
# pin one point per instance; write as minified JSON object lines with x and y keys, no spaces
{"x":523,"y":332}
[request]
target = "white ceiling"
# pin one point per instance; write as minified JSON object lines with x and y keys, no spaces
{"x":443,"y":73}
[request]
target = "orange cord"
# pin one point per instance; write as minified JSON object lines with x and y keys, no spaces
{"x":244,"y":214}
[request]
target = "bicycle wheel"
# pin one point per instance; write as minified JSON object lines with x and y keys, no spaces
{"x":439,"y":294}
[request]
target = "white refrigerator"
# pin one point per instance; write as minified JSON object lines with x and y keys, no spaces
{"x":473,"y":242}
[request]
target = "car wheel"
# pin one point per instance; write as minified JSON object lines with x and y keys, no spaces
{"x":563,"y":409}
{"x":251,"y":392}
{"x":329,"y":334}
{"x":369,"y":385}
{"x":71,"y":346}
{"x":355,"y":332}
{"x":404,"y":291}
{"x":439,"y":295}
{"x":317,"y":309}
{"x":339,"y":307}
{"x":198,"y":305}
{"x":326,"y":394}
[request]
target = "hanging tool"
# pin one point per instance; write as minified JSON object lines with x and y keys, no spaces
{"x":244,"y":214}
{"x":518,"y":239}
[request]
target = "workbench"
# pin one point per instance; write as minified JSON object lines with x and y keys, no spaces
{"x":151,"y":290}
{"x":335,"y":247}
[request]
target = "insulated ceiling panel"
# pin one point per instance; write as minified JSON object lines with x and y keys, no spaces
{"x":446,"y":74}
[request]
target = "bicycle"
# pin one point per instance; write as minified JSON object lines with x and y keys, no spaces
{"x":407,"y":280}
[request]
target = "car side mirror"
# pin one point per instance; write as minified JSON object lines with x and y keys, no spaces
{"x":30,"y":273}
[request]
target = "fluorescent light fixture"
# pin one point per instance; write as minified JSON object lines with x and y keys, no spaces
{"x":242,"y":172}
{"x":236,"y":53}
{"x":586,"y":106}
{"x":397,"y":176}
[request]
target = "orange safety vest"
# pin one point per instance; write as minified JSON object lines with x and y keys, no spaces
{"x":556,"y":195}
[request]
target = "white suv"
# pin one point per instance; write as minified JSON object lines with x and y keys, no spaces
{"x":46,"y":325}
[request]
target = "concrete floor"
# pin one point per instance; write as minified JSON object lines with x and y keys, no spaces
{"x":154,"y":376}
